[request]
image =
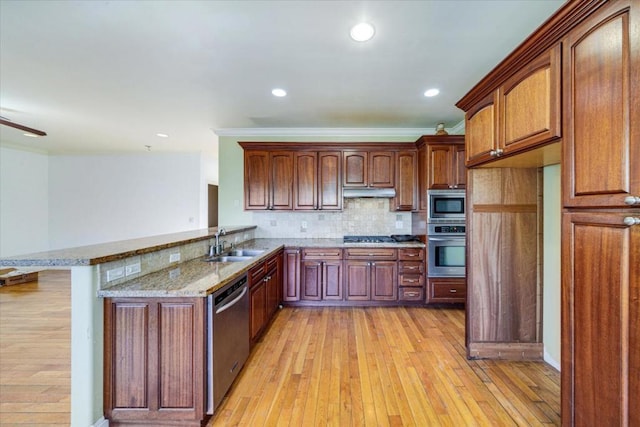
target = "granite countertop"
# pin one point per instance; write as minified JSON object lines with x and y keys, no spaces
{"x":112,"y":251}
{"x":197,"y":278}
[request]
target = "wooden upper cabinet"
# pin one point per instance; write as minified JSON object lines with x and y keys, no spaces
{"x":330,"y":180}
{"x":480,"y":130}
{"x":423,"y":172}
{"x":406,"y":181}
{"x":529,"y":104}
{"x":601,"y":145}
{"x":318,"y":180}
{"x":446,"y":166}
{"x":522,"y":114}
{"x":268,"y":180}
{"x":369,"y":169}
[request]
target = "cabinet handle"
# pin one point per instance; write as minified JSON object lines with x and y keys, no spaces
{"x":412,"y":254}
{"x":632,"y":200}
{"x":631,"y":221}
{"x":411,"y":280}
{"x":496,"y":153}
{"x":453,"y":291}
{"x":411,"y":294}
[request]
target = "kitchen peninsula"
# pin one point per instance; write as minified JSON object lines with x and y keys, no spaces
{"x":161,"y":267}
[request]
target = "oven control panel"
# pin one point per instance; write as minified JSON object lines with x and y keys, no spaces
{"x":447,"y":229}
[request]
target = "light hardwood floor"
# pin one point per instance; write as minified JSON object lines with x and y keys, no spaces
{"x":383,"y":367}
{"x":313,"y":367}
{"x":35,"y":351}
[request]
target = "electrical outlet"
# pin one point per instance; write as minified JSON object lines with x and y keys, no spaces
{"x":132,"y":269}
{"x":399,"y":224}
{"x":174,"y":257}
{"x":115,"y":273}
{"x":174,"y":273}
{"x":303,"y":224}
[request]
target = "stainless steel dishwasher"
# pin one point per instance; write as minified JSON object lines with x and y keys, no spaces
{"x":228,"y":338}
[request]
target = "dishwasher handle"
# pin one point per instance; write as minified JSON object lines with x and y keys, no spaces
{"x":232,"y":303}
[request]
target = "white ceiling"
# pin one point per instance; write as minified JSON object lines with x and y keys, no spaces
{"x":104,"y":76}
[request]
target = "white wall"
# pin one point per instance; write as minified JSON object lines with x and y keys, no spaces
{"x":551,"y":275}
{"x":24,"y":202}
{"x":102,"y":198}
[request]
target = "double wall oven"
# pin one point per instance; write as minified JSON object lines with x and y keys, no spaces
{"x":446,"y":233}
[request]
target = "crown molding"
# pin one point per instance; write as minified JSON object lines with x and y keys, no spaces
{"x":457,"y":129}
{"x":332,"y":132}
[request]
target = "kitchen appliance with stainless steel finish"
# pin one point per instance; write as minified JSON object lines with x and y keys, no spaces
{"x":446,"y":205}
{"x":395,"y":238}
{"x":227,"y":338}
{"x":446,"y":244}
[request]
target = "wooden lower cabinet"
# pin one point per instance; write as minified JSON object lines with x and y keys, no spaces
{"x":600,"y":319}
{"x":291,"y":275}
{"x":371,"y":280}
{"x":321,"y":274}
{"x":446,"y":290}
{"x":148,"y":344}
{"x":265,"y":294}
{"x":257,"y":310}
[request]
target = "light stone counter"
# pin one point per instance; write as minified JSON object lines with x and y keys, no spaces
{"x":197,"y":278}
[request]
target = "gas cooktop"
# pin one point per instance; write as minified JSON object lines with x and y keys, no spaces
{"x":380,"y":239}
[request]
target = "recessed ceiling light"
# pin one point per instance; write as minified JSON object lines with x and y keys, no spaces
{"x":31,"y":135}
{"x":432,"y":92}
{"x":279,"y":92}
{"x":162,"y":135}
{"x":362,"y":32}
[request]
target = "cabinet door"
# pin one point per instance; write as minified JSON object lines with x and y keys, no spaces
{"x":256,"y":180}
{"x":459,"y":175}
{"x":291,"y":276}
{"x":480,"y":129}
{"x":272,"y":293}
{"x":330,"y":180}
{"x":381,"y":169}
{"x":306,"y":180}
{"x":358,"y":280}
{"x":440,"y":166}
{"x":311,"y":280}
{"x":281,"y":180}
{"x":257,"y":310}
{"x":406,"y":195}
{"x":384,"y":281}
{"x":356,"y":164}
{"x":332,"y":280}
{"x":423,"y":172}
{"x":600,"y":319}
{"x":602,"y":109}
{"x":529,"y":106}
{"x":148,"y":344}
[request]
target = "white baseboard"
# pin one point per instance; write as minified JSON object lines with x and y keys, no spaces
{"x":102,"y":422}
{"x":551,"y":361}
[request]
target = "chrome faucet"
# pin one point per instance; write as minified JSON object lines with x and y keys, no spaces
{"x":218,"y":248}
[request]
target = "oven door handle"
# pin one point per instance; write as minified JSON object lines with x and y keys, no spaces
{"x":232,"y":303}
{"x":437,"y":239}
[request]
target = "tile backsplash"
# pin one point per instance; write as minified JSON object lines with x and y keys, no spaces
{"x":364,"y":216}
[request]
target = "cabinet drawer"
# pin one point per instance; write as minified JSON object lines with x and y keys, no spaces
{"x":322,"y":253}
{"x":411,"y":294}
{"x":256,"y":274}
{"x":449,"y":290}
{"x":371,"y":253}
{"x":410,"y":267}
{"x":411,"y":280}
{"x":411,"y":254}
{"x":271,"y":263}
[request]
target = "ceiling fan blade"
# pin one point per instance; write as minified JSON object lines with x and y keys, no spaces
{"x":7,"y":122}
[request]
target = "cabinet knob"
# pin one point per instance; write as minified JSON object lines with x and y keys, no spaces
{"x":496,"y":153}
{"x":631,"y":221}
{"x":632,"y":200}
{"x":453,"y":291}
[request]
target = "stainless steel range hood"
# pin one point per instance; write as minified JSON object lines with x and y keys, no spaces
{"x":351,"y":193}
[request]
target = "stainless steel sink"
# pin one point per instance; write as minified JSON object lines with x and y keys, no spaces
{"x":245,"y":252}
{"x":227,"y":258}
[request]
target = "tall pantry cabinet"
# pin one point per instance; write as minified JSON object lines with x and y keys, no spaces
{"x":601,"y":219}
{"x":596,"y":44}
